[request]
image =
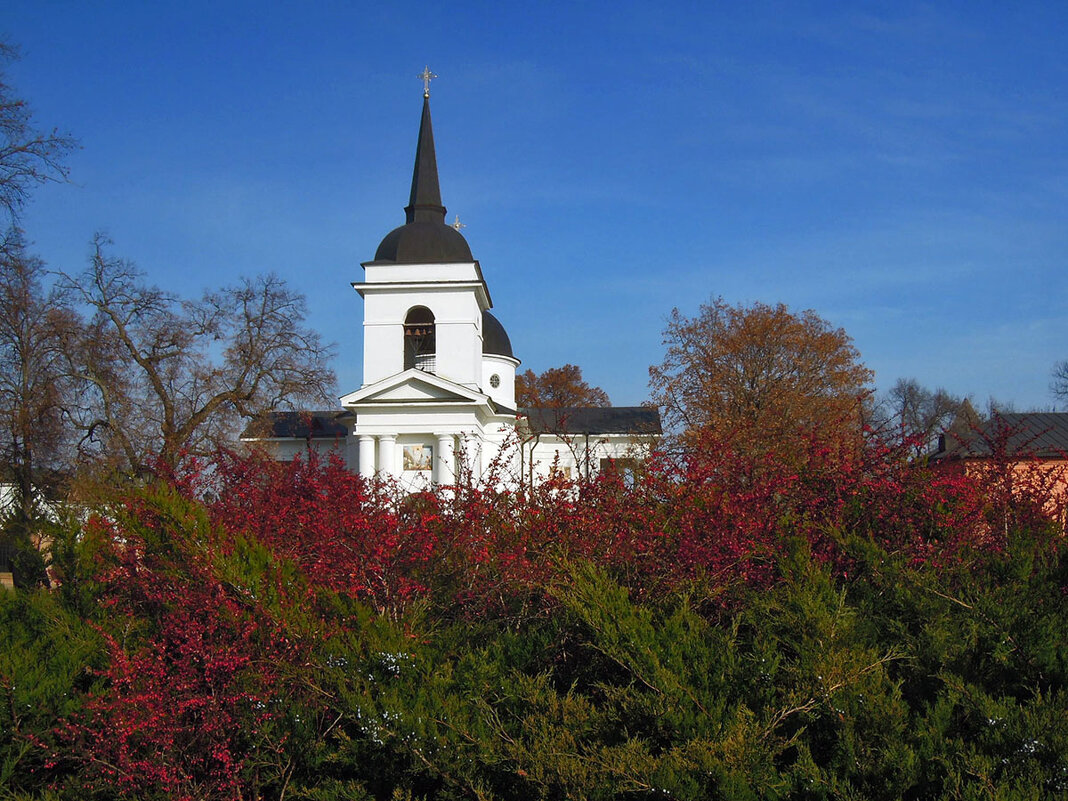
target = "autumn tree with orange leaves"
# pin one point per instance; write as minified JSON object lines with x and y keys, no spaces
{"x":558,"y":388}
{"x":758,"y":377}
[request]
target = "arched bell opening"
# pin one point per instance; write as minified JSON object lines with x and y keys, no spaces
{"x":419,"y":344}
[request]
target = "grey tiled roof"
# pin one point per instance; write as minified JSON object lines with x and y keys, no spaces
{"x":574,"y":420}
{"x":1040,"y":434}
{"x":593,"y":420}
{"x":333,"y":424}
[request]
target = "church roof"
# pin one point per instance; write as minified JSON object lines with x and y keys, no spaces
{"x":333,"y":424}
{"x":424,"y":238}
{"x":494,"y":338}
{"x":593,"y":420}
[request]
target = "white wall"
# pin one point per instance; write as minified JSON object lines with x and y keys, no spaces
{"x":285,"y":450}
{"x":456,"y":296}
{"x":571,"y":453}
{"x":504,"y":368}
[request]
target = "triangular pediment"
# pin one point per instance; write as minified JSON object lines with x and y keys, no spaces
{"x":413,"y":387}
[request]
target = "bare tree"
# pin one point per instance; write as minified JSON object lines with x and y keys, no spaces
{"x":919,"y":414}
{"x":1059,"y":383}
{"x":160,"y":376}
{"x":34,"y":324}
{"x":28,"y":156}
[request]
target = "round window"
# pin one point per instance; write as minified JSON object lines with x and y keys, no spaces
{"x":495,"y":380}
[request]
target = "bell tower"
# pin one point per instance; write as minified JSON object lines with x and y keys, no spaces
{"x":424,"y":294}
{"x":438,"y":370}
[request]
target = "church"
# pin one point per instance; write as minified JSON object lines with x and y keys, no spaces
{"x":437,"y":404}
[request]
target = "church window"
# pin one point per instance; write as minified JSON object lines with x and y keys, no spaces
{"x":419,"y":344}
{"x":495,"y":380}
{"x":627,"y":469}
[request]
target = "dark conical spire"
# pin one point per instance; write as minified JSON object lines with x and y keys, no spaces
{"x":425,"y":200}
{"x":424,"y":238}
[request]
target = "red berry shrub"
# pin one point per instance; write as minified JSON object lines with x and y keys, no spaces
{"x":199,"y":651}
{"x":218,"y":589}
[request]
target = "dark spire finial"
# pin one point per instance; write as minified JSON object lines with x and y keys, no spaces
{"x":425,"y":200}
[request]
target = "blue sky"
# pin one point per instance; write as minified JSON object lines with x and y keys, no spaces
{"x":901,"y":168}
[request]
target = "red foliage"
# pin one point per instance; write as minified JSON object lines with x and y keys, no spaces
{"x":196,"y":665}
{"x":722,"y":515}
{"x":198,"y":662}
{"x":348,"y":535}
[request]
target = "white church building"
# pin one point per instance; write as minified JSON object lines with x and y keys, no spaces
{"x":438,"y":401}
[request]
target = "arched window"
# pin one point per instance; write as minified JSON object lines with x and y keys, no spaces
{"x":419,"y":346}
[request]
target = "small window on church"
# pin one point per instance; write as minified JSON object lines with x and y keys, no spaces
{"x":495,"y":380}
{"x":627,"y":469}
{"x":419,"y":345}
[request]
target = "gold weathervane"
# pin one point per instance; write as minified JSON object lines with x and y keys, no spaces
{"x":427,"y":76}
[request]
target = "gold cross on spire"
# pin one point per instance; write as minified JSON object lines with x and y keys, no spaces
{"x":457,"y":224}
{"x":427,"y":77}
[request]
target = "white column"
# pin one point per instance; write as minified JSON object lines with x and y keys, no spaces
{"x":367,"y":455}
{"x":443,"y":465}
{"x":386,"y":456}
